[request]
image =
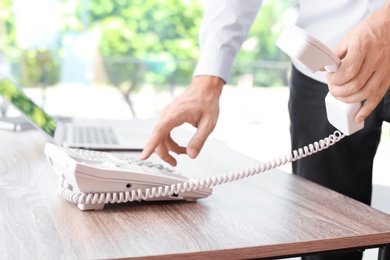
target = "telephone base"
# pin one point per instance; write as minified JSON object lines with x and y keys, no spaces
{"x":70,"y":167}
{"x":97,"y":201}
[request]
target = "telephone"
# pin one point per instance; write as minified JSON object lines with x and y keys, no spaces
{"x":314,"y":55}
{"x":92,"y":179}
{"x":115,"y":178}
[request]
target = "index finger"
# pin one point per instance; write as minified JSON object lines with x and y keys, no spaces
{"x":158,"y":135}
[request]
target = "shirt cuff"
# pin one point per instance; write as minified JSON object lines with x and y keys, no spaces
{"x":215,"y":62}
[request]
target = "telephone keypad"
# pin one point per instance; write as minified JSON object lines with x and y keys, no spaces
{"x":124,"y":162}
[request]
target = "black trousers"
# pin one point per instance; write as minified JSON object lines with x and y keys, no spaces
{"x":345,"y":167}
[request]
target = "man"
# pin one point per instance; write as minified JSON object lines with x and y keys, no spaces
{"x":358,"y":32}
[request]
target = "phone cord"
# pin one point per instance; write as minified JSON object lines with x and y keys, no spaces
{"x":192,"y":185}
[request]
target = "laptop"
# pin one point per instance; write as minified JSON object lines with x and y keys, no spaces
{"x":96,"y":134}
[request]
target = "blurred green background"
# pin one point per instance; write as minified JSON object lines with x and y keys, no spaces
{"x":127,"y":44}
{"x":159,"y":38}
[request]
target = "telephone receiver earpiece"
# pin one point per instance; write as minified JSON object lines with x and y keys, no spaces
{"x":314,"y":55}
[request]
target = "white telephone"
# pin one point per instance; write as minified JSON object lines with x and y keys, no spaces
{"x":92,"y":179}
{"x":314,"y":55}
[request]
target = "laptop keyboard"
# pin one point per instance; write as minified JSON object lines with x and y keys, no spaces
{"x":94,"y":135}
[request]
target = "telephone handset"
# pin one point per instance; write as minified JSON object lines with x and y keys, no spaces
{"x":314,"y":55}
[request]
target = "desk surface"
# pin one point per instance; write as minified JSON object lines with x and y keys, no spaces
{"x":269,"y":215}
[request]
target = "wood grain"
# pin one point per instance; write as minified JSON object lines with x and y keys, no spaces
{"x":273,"y":214}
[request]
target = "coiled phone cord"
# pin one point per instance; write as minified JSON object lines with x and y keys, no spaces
{"x":192,"y":185}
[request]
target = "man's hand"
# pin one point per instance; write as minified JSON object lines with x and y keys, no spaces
{"x":365,"y":71}
{"x":197,"y":105}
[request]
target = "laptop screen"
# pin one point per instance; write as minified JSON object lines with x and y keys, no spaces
{"x":34,"y":113}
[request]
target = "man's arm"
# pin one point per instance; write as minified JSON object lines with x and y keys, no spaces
{"x":225,"y":25}
{"x":364,"y":72}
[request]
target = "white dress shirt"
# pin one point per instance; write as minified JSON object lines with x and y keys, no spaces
{"x":226,"y":24}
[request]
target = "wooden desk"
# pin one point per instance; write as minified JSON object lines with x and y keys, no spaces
{"x":271,"y":215}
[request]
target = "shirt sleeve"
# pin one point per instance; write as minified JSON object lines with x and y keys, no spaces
{"x":224,"y":27}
